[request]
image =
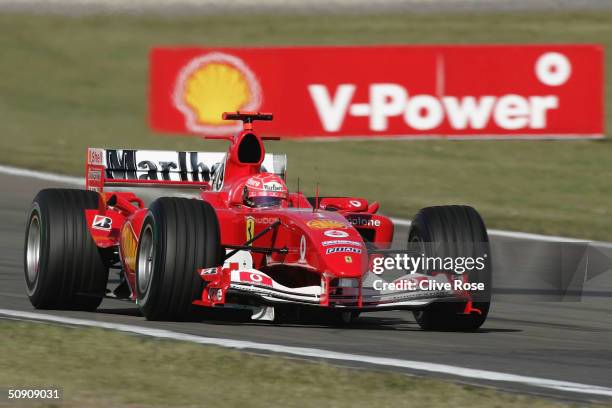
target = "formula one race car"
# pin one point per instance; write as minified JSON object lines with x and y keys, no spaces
{"x":245,"y":242}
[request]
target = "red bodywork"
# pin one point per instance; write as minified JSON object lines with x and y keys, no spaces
{"x":306,"y":255}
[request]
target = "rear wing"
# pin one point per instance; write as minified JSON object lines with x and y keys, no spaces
{"x":117,"y":167}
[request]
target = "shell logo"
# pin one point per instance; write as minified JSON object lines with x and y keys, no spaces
{"x":250,"y":228}
{"x":129,"y":246}
{"x":212,"y":84}
{"x":325,"y":224}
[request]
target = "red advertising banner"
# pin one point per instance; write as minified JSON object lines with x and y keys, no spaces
{"x":509,"y":91}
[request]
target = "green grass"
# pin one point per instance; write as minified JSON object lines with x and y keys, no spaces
{"x":68,"y":83}
{"x":98,"y":368}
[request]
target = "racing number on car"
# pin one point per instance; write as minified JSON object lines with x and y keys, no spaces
{"x":250,"y":228}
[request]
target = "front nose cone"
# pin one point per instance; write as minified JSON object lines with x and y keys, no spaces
{"x":346,"y":261}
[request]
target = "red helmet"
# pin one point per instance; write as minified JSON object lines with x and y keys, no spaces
{"x":264,"y":190}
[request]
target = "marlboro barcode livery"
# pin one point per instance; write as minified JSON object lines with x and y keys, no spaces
{"x":187,"y":169}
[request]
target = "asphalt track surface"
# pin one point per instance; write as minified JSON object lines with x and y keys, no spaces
{"x":533,"y":329}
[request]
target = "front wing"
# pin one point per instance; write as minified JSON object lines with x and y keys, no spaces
{"x":346,"y":293}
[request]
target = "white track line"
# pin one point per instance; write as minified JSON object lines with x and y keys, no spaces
{"x":41,"y":175}
{"x":325,"y":354}
{"x":523,"y":235}
{"x":520,"y":235}
{"x":60,"y":178}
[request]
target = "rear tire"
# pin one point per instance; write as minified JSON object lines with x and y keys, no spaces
{"x":64,"y":269}
{"x":178,"y":236}
{"x":453,"y":231}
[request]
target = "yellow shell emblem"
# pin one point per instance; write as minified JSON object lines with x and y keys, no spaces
{"x":325,"y":224}
{"x":129,"y":246}
{"x":212,"y":84}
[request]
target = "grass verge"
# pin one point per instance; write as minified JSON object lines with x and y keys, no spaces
{"x":100,"y":368}
{"x":69,"y":83}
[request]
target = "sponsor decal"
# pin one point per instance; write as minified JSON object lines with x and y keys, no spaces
{"x":265,"y":220}
{"x":355,"y":203}
{"x":273,"y":186}
{"x":95,"y":156}
{"x":227,"y":267}
{"x":102,"y":223}
{"x":364,"y":222}
{"x":161,"y":165}
{"x":164,"y":165}
{"x":210,"y":84}
{"x":94,"y":175}
{"x":255,"y":278}
{"x":340,"y":242}
{"x":335,"y":250}
{"x":483,"y":91}
{"x":302,"y":249}
{"x":336,"y":234}
{"x":348,"y":259}
{"x":325,"y":224}
{"x":250,"y":228}
{"x":211,"y":271}
{"x":252,"y":182}
{"x":129,"y":246}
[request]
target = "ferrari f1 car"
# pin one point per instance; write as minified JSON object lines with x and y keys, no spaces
{"x":243,"y":242}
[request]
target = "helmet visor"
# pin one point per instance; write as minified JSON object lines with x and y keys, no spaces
{"x":266,"y":201}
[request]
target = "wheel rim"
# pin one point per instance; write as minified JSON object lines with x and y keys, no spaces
{"x":33,"y":249}
{"x":146,"y":258}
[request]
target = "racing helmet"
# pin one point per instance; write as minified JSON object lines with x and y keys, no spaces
{"x":264,"y":190}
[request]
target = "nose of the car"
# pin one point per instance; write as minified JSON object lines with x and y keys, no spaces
{"x":346,"y":264}
{"x":340,"y":249}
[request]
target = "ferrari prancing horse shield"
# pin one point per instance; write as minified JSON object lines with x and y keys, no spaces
{"x":250,"y":228}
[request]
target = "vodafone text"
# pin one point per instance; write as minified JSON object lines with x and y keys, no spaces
{"x":427,"y":112}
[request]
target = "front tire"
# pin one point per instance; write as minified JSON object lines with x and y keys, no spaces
{"x":453,"y":231}
{"x":178,"y":236}
{"x":64,"y":269}
{"x":343,"y":318}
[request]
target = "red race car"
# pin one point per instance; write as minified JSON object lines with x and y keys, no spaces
{"x":245,"y":242}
